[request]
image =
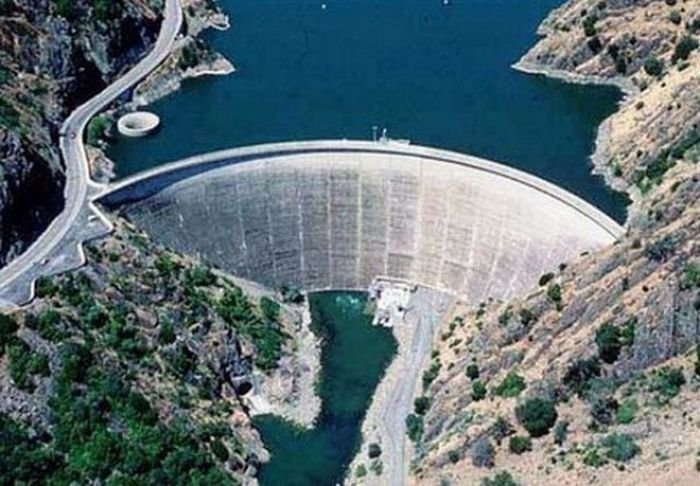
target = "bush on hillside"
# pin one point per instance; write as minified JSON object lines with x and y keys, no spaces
{"x":537,"y":416}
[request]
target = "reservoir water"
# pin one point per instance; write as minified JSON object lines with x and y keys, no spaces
{"x":353,"y":358}
{"x":436,"y":74}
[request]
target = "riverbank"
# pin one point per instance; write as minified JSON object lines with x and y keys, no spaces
{"x":354,"y":357}
{"x":384,"y":426}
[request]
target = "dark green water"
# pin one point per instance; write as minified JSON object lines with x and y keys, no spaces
{"x":354,"y":356}
{"x":439,"y":75}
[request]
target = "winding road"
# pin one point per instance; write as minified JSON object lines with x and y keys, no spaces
{"x":59,"y":248}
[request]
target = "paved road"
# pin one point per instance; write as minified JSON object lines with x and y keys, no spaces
{"x":59,"y":247}
{"x":426,"y":309}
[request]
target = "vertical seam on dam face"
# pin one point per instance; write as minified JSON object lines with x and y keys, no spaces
{"x":359,"y":230}
{"x":244,"y":269}
{"x":448,"y":225}
{"x":300,"y":223}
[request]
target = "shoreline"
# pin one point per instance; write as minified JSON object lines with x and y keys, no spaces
{"x":384,"y":422}
{"x":164,"y":81}
{"x":599,"y":157}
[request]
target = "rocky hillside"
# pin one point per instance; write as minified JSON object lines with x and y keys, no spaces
{"x":54,"y":54}
{"x":592,"y":379}
{"x":131,"y":371}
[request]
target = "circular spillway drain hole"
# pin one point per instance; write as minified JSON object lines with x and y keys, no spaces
{"x":138,"y":124}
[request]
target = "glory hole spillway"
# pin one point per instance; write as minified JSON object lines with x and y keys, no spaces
{"x":337,"y":214}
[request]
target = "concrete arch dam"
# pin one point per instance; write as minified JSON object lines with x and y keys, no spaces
{"x":337,"y":214}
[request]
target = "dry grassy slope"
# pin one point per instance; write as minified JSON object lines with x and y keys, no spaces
{"x":638,"y":278}
{"x":646,"y":278}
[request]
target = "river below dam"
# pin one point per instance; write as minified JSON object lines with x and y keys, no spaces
{"x":436,"y":74}
{"x":354,"y":356}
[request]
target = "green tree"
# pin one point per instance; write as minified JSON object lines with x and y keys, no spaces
{"x":537,"y":416}
{"x":684,"y":47}
{"x":653,"y":66}
{"x":478,"y":391}
{"x":414,"y":427}
{"x":607,"y":338}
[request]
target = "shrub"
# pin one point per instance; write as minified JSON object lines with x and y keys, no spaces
{"x":503,"y":478}
{"x":376,"y":467}
{"x":453,"y":456}
{"x":472,"y":371}
{"x":594,"y":459}
{"x":291,"y":295}
{"x":627,"y":332}
{"x":374,"y":451}
{"x":589,"y":25}
{"x":431,"y":373}
{"x":421,"y":405}
{"x":505,"y":316}
{"x":607,"y":338}
{"x":685,"y":46}
{"x":8,"y":330}
{"x":519,"y":444}
{"x":361,"y":471}
{"x":604,"y":410}
{"x":44,"y":287}
{"x":478,"y":391}
{"x":561,"y":430}
{"x":414,"y":427}
{"x":620,"y":447}
{"x":96,"y":130}
{"x":500,"y":429}
{"x":38,"y":364}
{"x":482,"y":452}
{"x":270,"y":308}
{"x":675,"y":17}
{"x":666,"y":383}
{"x":580,"y":373}
{"x":166,"y":335}
{"x":545,"y":279}
{"x":200,"y":276}
{"x":48,"y":324}
{"x":265,"y":334}
{"x":527,"y":317}
{"x":219,"y":450}
{"x":691,"y":276}
{"x":653,"y":66}
{"x":627,"y":411}
{"x":537,"y":416}
{"x":554,"y":293}
{"x":511,"y":386}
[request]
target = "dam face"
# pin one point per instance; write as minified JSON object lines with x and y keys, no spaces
{"x":335,"y":215}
